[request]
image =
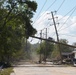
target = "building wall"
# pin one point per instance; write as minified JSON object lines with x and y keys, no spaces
{"x":75,"y":55}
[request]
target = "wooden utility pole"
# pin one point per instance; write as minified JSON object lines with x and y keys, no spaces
{"x":26,"y":49}
{"x":26,"y":44}
{"x":40,"y":46}
{"x":46,"y":33}
{"x":57,"y":35}
{"x":46,"y":45}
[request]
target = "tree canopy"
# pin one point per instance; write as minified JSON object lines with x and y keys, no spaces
{"x":15,"y":25}
{"x":63,"y":47}
{"x":45,"y":49}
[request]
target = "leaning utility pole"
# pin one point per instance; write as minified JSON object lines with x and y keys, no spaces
{"x":53,"y":41}
{"x":56,"y":35}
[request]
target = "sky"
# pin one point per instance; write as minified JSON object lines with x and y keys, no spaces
{"x":64,"y":12}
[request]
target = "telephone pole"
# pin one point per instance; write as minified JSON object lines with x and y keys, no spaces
{"x":46,"y":33}
{"x":45,"y":47}
{"x":56,"y":35}
{"x":40,"y":46}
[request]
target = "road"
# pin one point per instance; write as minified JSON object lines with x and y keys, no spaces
{"x":43,"y":70}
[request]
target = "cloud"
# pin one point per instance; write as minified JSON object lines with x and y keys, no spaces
{"x":66,"y":27}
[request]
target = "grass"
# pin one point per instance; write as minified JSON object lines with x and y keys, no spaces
{"x":6,"y":71}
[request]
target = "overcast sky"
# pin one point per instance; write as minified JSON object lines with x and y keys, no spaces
{"x":66,"y":21}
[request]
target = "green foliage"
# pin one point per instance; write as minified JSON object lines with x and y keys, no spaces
{"x":64,"y":48}
{"x":6,"y":71}
{"x":45,"y":49}
{"x":32,"y":5}
{"x":26,"y":47}
{"x":55,"y":53}
{"x":15,"y":24}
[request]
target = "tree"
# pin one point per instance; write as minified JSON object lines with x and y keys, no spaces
{"x":45,"y":49}
{"x":15,"y":25}
{"x":74,"y":44}
{"x":63,"y":47}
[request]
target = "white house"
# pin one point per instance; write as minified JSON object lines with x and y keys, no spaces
{"x":74,"y":54}
{"x":74,"y":61}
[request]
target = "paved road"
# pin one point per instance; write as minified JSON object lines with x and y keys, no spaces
{"x":41,"y":70}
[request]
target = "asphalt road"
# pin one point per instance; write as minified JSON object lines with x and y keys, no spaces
{"x":43,"y":70}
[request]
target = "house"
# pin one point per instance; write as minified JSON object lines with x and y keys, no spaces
{"x":74,"y":52}
{"x":74,"y":59}
{"x":67,"y":55}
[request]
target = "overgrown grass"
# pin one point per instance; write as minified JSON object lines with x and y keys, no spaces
{"x":6,"y":71}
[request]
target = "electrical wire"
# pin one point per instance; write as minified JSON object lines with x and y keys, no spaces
{"x":67,"y":13}
{"x":42,"y":20}
{"x":67,"y":18}
{"x":51,"y":5}
{"x":68,"y":35}
{"x":64,"y":29}
{"x":46,"y":26}
{"x":40,"y":10}
{"x":67,"y":26}
{"x":60,"y":5}
{"x":46,"y":10}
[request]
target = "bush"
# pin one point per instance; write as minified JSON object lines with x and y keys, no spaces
{"x":6,"y":71}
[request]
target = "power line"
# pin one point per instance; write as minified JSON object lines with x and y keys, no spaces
{"x":42,"y":20}
{"x":44,"y":27}
{"x":46,"y":10}
{"x":67,"y":13}
{"x":51,"y":5}
{"x":48,"y":24}
{"x":64,"y":28}
{"x":67,"y":26}
{"x":41,"y":10}
{"x":67,"y":18}
{"x":60,"y":5}
{"x":68,"y":35}
{"x":58,"y":9}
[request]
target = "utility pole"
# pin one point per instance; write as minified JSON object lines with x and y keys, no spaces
{"x":40,"y":46}
{"x":46,"y":33}
{"x":56,"y":35}
{"x":26,"y":48}
{"x":45,"y":46}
